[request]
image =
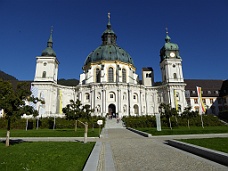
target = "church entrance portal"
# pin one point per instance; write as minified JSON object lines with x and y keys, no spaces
{"x":112,"y":110}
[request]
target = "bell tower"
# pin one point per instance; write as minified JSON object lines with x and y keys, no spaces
{"x":47,"y":64}
{"x":170,"y":64}
{"x":172,"y":74}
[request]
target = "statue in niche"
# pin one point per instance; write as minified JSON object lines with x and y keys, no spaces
{"x":99,"y":96}
{"x":124,"y":108}
{"x":98,"y":109}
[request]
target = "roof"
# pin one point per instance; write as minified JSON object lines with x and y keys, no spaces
{"x":210,"y":88}
{"x":110,"y":53}
{"x":147,"y":69}
{"x":48,"y":51}
{"x":109,"y":50}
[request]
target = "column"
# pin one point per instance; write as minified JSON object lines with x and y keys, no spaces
{"x":129,"y":100}
{"x":103,"y":101}
{"x":146,"y":101}
{"x":140,"y":102}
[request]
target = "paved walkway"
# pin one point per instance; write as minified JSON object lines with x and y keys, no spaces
{"x":119,"y":149}
{"x":123,"y":150}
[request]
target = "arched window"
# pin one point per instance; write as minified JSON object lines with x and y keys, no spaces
{"x":98,"y":75}
{"x":44,"y":74}
{"x":136,"y":109}
{"x":124,"y":80}
{"x":174,"y":75}
{"x":110,"y":75}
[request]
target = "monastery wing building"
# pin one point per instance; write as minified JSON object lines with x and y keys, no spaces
{"x":109,"y":83}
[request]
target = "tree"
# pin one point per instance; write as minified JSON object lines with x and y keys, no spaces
{"x":189,"y":114}
{"x":12,"y":101}
{"x":75,"y":110}
{"x":167,"y":111}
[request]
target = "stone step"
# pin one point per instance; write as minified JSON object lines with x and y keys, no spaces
{"x":112,"y":123}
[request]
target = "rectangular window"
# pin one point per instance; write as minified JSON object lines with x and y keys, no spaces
{"x":196,"y":101}
{"x":204,"y":101}
{"x":111,"y":96}
{"x":211,"y":101}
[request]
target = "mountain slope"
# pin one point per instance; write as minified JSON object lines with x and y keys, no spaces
{"x":5,"y":76}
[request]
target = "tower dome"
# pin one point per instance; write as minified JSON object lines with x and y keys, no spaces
{"x":48,"y":51}
{"x":168,"y":48}
{"x":108,"y":50}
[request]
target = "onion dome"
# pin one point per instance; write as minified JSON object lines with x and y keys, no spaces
{"x":109,"y":50}
{"x":169,"y":47}
{"x":49,"y":51}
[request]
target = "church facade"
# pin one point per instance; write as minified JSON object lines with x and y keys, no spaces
{"x":109,"y":83}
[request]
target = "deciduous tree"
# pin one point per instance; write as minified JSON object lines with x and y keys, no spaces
{"x":75,"y":110}
{"x":168,"y":112}
{"x":189,"y":114}
{"x":13,"y":102}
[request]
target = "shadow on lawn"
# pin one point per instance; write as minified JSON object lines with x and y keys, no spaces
{"x":13,"y":142}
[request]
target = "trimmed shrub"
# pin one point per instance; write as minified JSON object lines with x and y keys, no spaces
{"x":47,"y":123}
{"x":150,"y":121}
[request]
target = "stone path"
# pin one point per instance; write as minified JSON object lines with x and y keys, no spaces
{"x":123,"y":150}
{"x":132,"y":152}
{"x":112,"y":123}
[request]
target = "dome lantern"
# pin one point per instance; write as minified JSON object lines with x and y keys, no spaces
{"x":108,"y":36}
{"x":49,"y":51}
{"x":109,"y":50}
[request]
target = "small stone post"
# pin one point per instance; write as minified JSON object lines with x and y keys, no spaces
{"x":86,"y":130}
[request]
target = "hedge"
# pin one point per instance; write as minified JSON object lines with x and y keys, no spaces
{"x":150,"y":121}
{"x":47,"y":123}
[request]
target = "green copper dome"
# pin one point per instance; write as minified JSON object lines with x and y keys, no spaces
{"x":109,"y":50}
{"x":169,"y":47}
{"x":49,"y":51}
{"x":110,"y":53}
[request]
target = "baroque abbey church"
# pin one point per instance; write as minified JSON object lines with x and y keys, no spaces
{"x":109,"y":83}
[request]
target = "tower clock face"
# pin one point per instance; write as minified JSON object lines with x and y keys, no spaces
{"x":172,"y":54}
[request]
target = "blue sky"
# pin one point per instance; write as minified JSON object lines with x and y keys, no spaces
{"x":199,"y":27}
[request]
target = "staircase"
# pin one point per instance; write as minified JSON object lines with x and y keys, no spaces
{"x":112,"y":123}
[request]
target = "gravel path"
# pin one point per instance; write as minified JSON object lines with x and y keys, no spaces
{"x":132,"y":152}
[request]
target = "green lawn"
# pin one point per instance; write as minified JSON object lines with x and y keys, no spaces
{"x":220,"y":144}
{"x":44,"y":156}
{"x":50,"y":133}
{"x":186,"y":130}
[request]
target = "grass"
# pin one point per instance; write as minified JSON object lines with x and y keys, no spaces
{"x":219,"y":144}
{"x":186,"y":130}
{"x":44,"y":156}
{"x":50,"y":133}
